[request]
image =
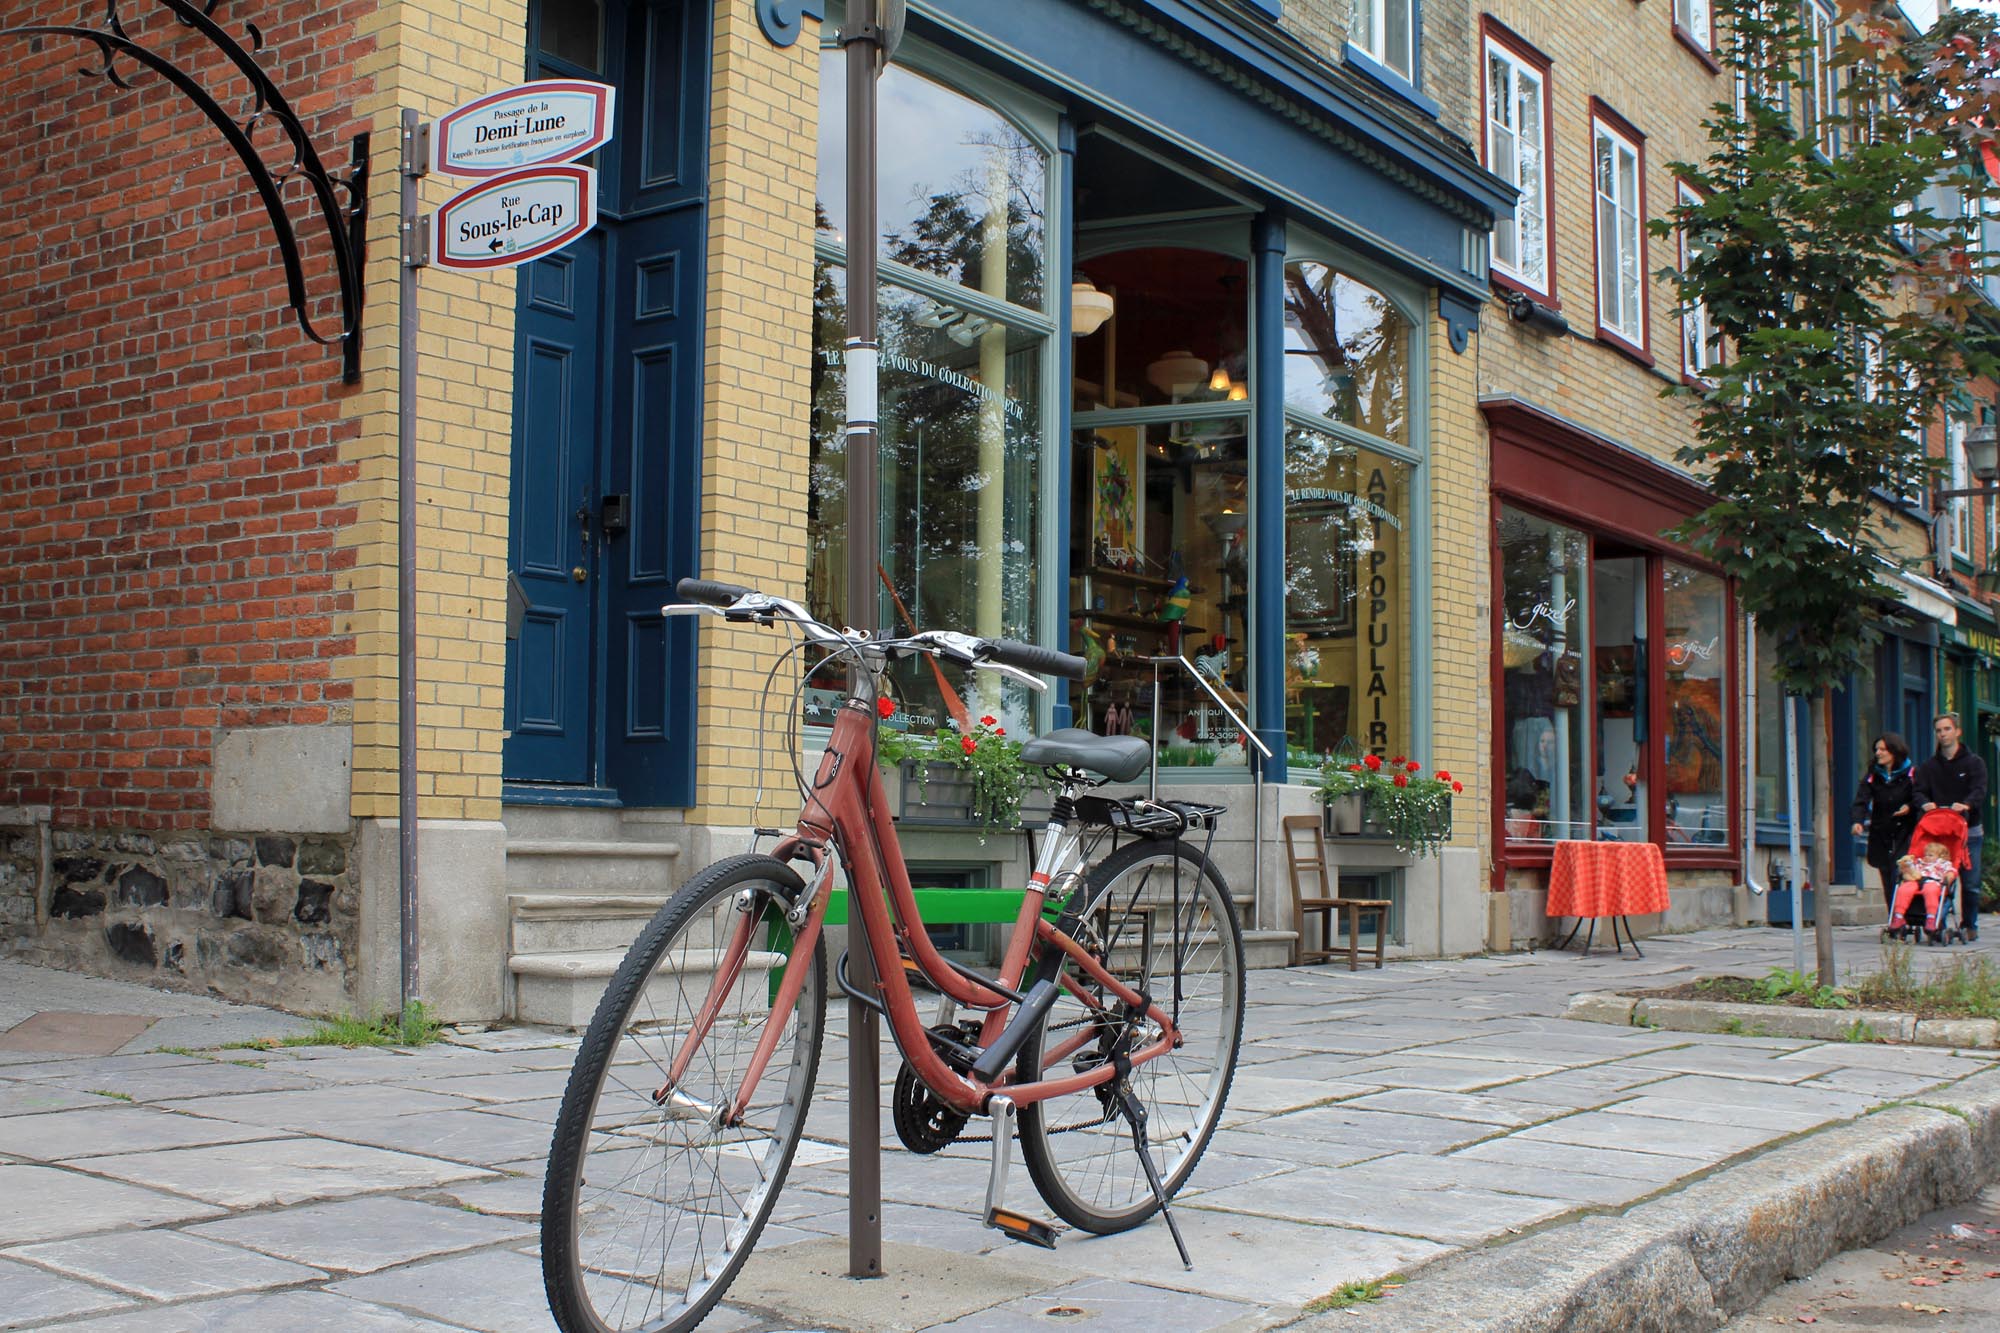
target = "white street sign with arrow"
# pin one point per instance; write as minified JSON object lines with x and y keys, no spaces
{"x":514,"y":218}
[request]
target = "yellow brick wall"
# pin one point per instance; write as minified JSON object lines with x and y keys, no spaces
{"x":757,"y":383}
{"x":1461,"y":585}
{"x":432,"y":55}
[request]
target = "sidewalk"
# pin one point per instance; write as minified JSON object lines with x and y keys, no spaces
{"x":1380,"y":1120}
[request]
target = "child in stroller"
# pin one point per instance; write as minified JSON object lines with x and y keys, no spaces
{"x":1927,"y":896}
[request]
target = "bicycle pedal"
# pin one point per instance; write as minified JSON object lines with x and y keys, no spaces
{"x":1026,"y":1229}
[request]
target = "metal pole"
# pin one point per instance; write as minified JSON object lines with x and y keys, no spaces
{"x":863,"y":42}
{"x":411,"y":167}
{"x":1792,"y":798}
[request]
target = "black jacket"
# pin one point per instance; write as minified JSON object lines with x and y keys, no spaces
{"x":1875,"y":804}
{"x":1960,"y":780}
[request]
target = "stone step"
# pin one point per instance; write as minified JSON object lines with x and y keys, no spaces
{"x":547,"y":923}
{"x":562,"y":989}
{"x":592,"y":866}
{"x":561,"y":823}
{"x":1267,"y":948}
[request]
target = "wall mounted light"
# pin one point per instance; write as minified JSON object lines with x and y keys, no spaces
{"x":1524,"y":309}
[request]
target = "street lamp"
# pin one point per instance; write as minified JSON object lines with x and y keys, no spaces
{"x":1982,"y":456}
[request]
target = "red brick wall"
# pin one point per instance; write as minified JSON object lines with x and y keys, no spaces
{"x":168,"y":438}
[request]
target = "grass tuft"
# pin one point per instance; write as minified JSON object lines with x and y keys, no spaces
{"x":413,"y":1027}
{"x":1965,"y":985}
{"x":1351,"y":1294}
{"x":106,"y":1092}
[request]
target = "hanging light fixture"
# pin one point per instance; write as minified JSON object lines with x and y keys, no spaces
{"x":1178,"y":372}
{"x":1219,"y":381}
{"x":1238,"y":392}
{"x":1088,"y":307}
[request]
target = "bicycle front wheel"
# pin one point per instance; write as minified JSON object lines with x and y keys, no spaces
{"x":1164,"y":926}
{"x":652,"y":1201}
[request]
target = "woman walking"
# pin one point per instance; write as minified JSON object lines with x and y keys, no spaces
{"x":1884,"y":809}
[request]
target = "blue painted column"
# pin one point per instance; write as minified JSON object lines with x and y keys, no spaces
{"x":1061,"y":248}
{"x":1267,"y":488}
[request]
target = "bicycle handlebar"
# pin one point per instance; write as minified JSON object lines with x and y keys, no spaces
{"x":711,"y":592}
{"x":1034,"y":657}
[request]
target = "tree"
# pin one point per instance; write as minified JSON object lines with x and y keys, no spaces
{"x":1845,"y":297}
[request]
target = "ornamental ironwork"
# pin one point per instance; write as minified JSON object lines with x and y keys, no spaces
{"x":340,"y":200}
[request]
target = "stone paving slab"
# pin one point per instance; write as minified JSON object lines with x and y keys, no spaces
{"x":29,"y":1295}
{"x":43,"y":1203}
{"x":1104,"y":1304}
{"x":281,"y":1172}
{"x":1458,"y":1215}
{"x":164,"y":1265}
{"x":290,"y":1311}
{"x":363,"y":1235}
{"x":80,"y":1034}
{"x":502,"y":1290}
{"x":116,"y":1128}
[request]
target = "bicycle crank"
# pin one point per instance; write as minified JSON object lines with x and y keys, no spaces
{"x":1006,"y":1221}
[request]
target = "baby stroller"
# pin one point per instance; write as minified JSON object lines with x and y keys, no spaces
{"x":1915,"y":914}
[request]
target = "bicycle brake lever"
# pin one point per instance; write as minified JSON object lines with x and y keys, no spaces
{"x":1015,"y":674}
{"x":690,"y":609}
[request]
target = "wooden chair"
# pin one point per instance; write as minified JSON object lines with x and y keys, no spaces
{"x":1326,"y":901}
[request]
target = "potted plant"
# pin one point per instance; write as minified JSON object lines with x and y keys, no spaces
{"x":1413,"y":811}
{"x":982,"y":755}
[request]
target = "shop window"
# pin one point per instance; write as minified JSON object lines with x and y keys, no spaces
{"x":1347,"y":567}
{"x":1621,"y":234}
{"x":959,"y":457}
{"x":1545,"y":625}
{"x":1160,"y":518}
{"x":1517,"y":98}
{"x":962,"y":190}
{"x":1347,"y":352}
{"x":1695,"y":749}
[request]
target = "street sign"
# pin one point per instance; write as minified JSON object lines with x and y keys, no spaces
{"x":552,"y":120}
{"x":514,"y":218}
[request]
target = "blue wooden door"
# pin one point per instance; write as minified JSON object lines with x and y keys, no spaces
{"x":654,"y":426}
{"x":607,"y":468}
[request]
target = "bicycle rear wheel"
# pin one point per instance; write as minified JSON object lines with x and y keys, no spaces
{"x":651,"y":1204}
{"x":1164,"y":926}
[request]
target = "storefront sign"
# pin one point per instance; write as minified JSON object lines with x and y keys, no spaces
{"x":515,"y":218}
{"x":1378,"y":620}
{"x":554,"y":120}
{"x":1984,"y":642}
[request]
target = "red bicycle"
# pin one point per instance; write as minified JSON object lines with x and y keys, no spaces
{"x":1106,"y":1041}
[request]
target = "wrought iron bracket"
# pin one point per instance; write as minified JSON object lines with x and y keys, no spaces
{"x":341,"y":202}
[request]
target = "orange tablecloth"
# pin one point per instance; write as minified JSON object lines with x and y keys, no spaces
{"x":1607,"y":879}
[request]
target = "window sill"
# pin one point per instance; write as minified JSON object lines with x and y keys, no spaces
{"x":1631,"y":351}
{"x":1547,"y":300}
{"x":1387,"y":79}
{"x":1697,"y":50}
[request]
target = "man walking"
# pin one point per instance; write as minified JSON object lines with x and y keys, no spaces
{"x":1955,"y":778}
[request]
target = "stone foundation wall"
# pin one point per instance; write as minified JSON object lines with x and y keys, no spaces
{"x":268,"y":918}
{"x":20,"y":876}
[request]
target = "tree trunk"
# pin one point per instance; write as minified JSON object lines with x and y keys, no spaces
{"x":1823,"y":831}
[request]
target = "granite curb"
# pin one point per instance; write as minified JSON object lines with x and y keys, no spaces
{"x":1777,"y":1020}
{"x":1694,"y":1258}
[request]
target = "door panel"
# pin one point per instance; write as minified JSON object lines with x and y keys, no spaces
{"x":556,"y":426}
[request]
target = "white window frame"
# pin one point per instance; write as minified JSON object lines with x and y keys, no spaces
{"x":1961,"y":479}
{"x":1629,"y":215}
{"x":1696,"y":19}
{"x":1370,"y":33}
{"x":1520,"y":73}
{"x":1819,"y":97}
{"x":1701,"y":345}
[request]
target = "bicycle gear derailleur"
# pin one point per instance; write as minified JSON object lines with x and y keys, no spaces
{"x":923,"y":1122}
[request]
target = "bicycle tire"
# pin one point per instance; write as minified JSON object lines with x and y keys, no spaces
{"x":1078,"y":1149}
{"x":702,"y":1243}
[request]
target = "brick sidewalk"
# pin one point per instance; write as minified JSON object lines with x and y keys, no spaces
{"x":1379,"y":1120}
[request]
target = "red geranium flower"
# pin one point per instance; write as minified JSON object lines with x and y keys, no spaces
{"x":1397,"y":760}
{"x":999,"y":731}
{"x":967,"y":744}
{"x":1443,"y":776}
{"x":1354,"y":768}
{"x":1412,"y":767}
{"x":1402,"y":779}
{"x":986,"y":721}
{"x":1457,"y":787}
{"x":1374,"y":761}
{"x":885,"y":707}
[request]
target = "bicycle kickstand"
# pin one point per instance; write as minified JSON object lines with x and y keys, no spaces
{"x":1135,"y":1116}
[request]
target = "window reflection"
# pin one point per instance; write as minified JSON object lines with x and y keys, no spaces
{"x":961,"y":192}
{"x":1347,"y":351}
{"x":569,"y":31}
{"x":959,"y":454}
{"x":1696,"y":653}
{"x":1347,"y":667}
{"x":1544,"y":626}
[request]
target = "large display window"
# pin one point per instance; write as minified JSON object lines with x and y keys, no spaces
{"x":965,"y":353}
{"x":1617,"y":667}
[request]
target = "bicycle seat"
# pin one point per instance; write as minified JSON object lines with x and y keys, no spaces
{"x":1119,"y":758}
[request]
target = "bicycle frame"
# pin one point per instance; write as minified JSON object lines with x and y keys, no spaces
{"x":848,"y":811}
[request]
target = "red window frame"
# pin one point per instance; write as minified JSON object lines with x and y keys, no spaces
{"x":1641,"y":351}
{"x":1492,"y":30}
